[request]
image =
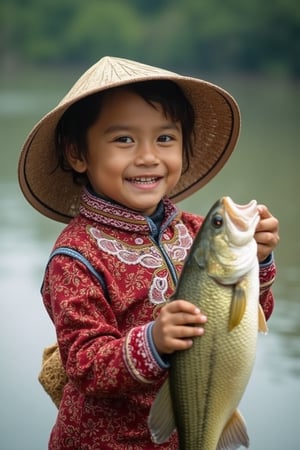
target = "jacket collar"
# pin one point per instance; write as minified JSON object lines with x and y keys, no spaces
{"x":106,"y":212}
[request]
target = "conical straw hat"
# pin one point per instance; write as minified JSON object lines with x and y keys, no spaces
{"x":217,"y":121}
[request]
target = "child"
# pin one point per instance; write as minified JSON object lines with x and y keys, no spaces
{"x":111,"y":159}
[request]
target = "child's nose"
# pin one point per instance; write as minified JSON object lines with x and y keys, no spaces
{"x":147,"y":154}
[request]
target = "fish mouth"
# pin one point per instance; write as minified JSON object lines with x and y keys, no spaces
{"x":241,"y":220}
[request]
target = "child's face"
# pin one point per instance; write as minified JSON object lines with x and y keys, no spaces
{"x":134,"y":152}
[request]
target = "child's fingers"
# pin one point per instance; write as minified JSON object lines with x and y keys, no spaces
{"x":184,"y":312}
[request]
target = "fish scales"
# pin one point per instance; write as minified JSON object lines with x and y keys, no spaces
{"x":200,"y":392}
{"x":207,"y":381}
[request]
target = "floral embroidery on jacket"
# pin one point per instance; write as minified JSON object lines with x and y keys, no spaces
{"x":148,"y":256}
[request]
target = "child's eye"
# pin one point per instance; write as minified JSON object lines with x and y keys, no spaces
{"x":165,"y":138}
{"x":124,"y":139}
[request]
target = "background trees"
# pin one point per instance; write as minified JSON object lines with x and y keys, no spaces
{"x":224,"y":35}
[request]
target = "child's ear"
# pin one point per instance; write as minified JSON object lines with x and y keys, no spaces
{"x":78,"y":163}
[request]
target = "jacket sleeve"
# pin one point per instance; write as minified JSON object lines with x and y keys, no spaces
{"x":267,"y":274}
{"x":97,"y":357}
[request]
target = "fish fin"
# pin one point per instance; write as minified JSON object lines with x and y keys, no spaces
{"x":161,"y":420}
{"x":238,"y":306}
{"x":262,"y":323}
{"x":234,"y":434}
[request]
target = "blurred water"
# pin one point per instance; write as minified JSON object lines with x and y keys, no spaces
{"x":265,"y":166}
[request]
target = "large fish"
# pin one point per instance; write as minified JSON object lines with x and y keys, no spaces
{"x":207,"y":381}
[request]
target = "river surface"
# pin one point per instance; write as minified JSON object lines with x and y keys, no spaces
{"x":265,"y":166}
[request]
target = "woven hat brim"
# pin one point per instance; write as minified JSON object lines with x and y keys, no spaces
{"x":217,"y":122}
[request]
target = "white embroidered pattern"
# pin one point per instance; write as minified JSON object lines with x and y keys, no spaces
{"x":147,"y":256}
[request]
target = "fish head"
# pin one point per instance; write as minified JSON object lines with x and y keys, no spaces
{"x":225,"y":246}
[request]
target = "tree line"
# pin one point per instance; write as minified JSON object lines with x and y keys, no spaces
{"x":252,"y":36}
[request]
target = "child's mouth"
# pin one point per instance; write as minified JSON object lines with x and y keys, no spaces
{"x":144,"y":180}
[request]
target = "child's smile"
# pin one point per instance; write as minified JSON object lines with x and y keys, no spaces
{"x":134,"y":152}
{"x":144,"y":182}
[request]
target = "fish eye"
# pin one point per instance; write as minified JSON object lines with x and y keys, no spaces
{"x":217,"y":221}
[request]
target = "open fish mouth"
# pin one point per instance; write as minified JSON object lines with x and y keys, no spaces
{"x":241,"y":220}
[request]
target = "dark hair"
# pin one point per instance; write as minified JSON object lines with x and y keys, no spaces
{"x":75,"y":122}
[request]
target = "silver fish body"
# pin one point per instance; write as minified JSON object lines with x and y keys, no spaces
{"x":207,"y":381}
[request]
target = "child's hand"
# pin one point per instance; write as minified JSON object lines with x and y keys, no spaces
{"x":172,"y":331}
{"x":266,"y":234}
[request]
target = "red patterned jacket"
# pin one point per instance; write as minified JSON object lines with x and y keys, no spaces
{"x":103,"y":330}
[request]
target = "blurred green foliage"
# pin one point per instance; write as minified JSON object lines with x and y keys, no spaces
{"x":212,"y":35}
